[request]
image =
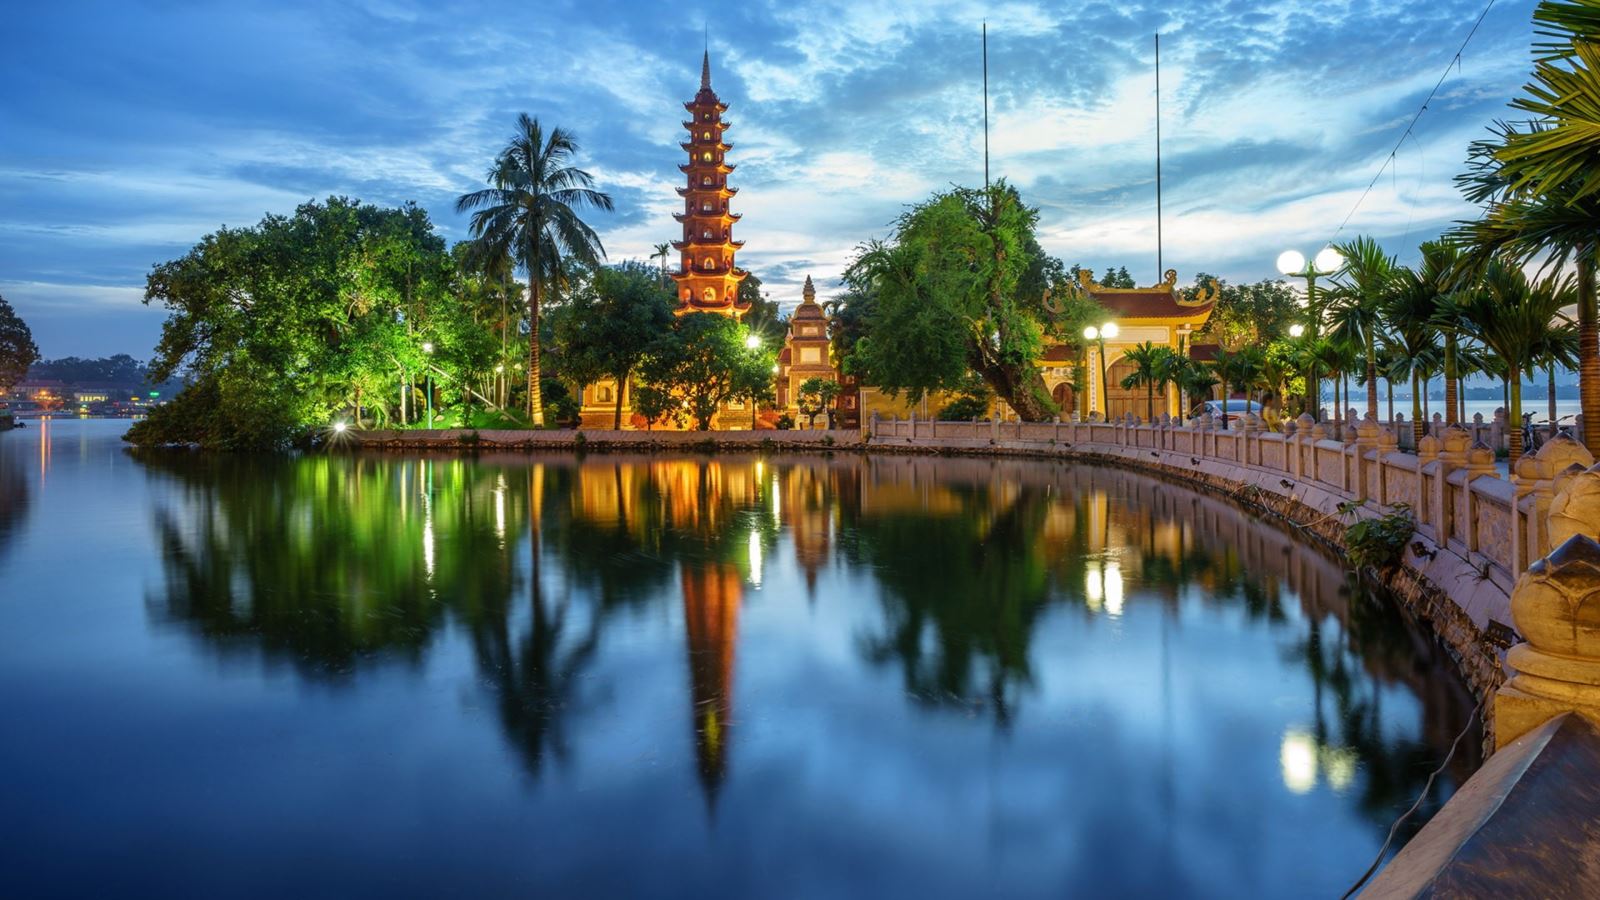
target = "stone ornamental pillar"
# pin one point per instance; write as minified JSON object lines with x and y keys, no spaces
{"x":1304,"y":436}
{"x":1437,"y":426}
{"x":1428,"y":510}
{"x":994,"y":429}
{"x":1388,"y":442}
{"x":1366,"y":441}
{"x":872,"y":427}
{"x":1536,"y":478}
{"x":1555,"y":606}
{"x":1480,"y":462}
{"x":1499,"y":432}
{"x":1453,"y":445}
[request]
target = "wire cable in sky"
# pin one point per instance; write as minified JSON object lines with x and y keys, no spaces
{"x":1455,"y":62}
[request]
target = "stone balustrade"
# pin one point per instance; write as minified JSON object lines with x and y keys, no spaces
{"x":1461,"y":501}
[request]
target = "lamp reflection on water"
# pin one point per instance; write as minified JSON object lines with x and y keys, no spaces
{"x":1103,"y":587}
{"x":755,"y":557}
{"x":1303,"y":760}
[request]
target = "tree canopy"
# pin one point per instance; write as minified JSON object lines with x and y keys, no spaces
{"x":17,"y":349}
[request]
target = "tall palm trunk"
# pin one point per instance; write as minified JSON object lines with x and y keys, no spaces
{"x":616,"y":416}
{"x":1588,"y":350}
{"x":1514,"y":393}
{"x":1372,"y":378}
{"x":1550,"y":397}
{"x":535,"y":400}
{"x":1418,"y":425}
{"x":1452,"y":387}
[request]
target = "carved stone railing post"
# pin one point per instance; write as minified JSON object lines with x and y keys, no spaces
{"x":994,"y":428}
{"x":1305,"y":426}
{"x":1366,"y":442}
{"x":873,"y":428}
{"x":1453,"y":446}
{"x":1502,"y":424}
{"x":1555,"y":606}
{"x":1480,"y":462}
{"x":1427,"y":507}
{"x":1536,"y":480}
{"x":1388,"y":442}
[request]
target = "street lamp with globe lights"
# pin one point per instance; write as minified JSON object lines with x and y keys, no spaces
{"x":1292,"y":263}
{"x":1099,"y":335}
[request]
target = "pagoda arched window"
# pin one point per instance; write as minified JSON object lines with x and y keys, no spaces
{"x":705,"y":157}
{"x":705,"y":207}
{"x":708,"y":264}
{"x":705,"y":181}
{"x":706,"y":233}
{"x":706,"y":136}
{"x":711,"y":296}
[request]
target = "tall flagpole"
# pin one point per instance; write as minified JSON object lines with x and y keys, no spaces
{"x":1160,"y":268}
{"x":986,"y":105}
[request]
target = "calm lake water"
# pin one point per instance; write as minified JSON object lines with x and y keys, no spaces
{"x":658,"y":676}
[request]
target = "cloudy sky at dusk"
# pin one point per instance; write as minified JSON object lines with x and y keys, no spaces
{"x":129,"y":130}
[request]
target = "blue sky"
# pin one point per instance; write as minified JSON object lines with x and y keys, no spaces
{"x":129,"y":130}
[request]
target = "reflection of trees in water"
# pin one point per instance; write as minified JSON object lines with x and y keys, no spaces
{"x":14,"y":496}
{"x":961,"y":595}
{"x":965,"y":584}
{"x":333,"y":565}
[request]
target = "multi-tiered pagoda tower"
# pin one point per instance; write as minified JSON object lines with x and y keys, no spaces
{"x":708,"y":280}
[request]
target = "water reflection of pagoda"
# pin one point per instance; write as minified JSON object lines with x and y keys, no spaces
{"x":711,"y":596}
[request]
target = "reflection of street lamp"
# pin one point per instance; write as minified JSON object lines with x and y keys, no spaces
{"x":1099,"y":335}
{"x":427,"y":347}
{"x":1293,"y":264}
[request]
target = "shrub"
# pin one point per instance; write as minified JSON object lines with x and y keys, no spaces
{"x":1380,"y":542}
{"x":785,"y":422}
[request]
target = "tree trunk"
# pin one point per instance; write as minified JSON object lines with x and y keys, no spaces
{"x":616,"y":416}
{"x":1022,"y":387}
{"x":1149,"y":402}
{"x":1514,"y":390}
{"x":1452,"y":389}
{"x":1389,"y":384}
{"x":1551,"y":398}
{"x":1372,"y":379}
{"x":1588,"y":350}
{"x":1419,"y":426}
{"x":535,"y":400}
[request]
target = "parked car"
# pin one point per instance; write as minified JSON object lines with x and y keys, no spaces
{"x":1235,"y":409}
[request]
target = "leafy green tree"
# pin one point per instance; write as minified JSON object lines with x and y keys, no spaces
{"x":280,"y":324}
{"x":763,"y":317}
{"x":1238,"y":370}
{"x":947,"y":300}
{"x":753,"y":377}
{"x":656,"y":405}
{"x":816,"y":397}
{"x":1246,"y":314}
{"x":971,"y":402}
{"x":530,"y":211}
{"x":17,"y":349}
{"x":698,"y":361}
{"x":1514,"y":320}
{"x":1360,"y":291}
{"x":1538,"y":180}
{"x":1147,"y":362}
{"x":605,"y":330}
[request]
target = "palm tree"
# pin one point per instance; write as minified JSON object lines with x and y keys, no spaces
{"x":529,"y":211}
{"x":1145,"y":358}
{"x":1238,"y":370}
{"x":1514,"y":319}
{"x":1542,"y":181}
{"x":1363,"y":286}
{"x":1412,"y":311}
{"x":663,"y":251}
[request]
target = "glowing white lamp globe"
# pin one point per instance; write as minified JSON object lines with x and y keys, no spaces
{"x":1091,"y":332}
{"x":1297,"y":330}
{"x":339,"y":427}
{"x":1329,"y":260}
{"x":1110,"y":330}
{"x":1291,"y":261}
{"x":752,"y":342}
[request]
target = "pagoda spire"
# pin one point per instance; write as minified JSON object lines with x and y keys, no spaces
{"x":707,"y":279}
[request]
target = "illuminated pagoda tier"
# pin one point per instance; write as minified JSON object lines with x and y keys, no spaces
{"x":707,"y":280}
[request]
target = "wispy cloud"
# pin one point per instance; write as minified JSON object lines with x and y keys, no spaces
{"x":128,"y":142}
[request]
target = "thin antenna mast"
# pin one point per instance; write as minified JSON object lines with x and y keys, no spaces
{"x":1160,"y":267}
{"x":985,"y":105}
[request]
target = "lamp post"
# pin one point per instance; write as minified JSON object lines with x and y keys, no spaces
{"x":1293,"y":264}
{"x":427,"y":347}
{"x":1099,"y":335}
